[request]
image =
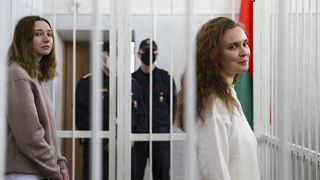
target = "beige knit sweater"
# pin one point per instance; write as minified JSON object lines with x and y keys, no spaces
{"x":31,"y":134}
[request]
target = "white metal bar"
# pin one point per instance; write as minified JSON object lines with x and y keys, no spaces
{"x":134,"y":137}
{"x":96,"y":84}
{"x":268,"y":82}
{"x":81,"y":134}
{"x":212,"y":8}
{"x":282,"y":89}
{"x":273,"y":127}
{"x":233,"y":9}
{"x":113,"y":89}
{"x":127,"y":90}
{"x":153,"y":14}
{"x":4,"y":36}
{"x":303,"y":49}
{"x":275,"y":141}
{"x":190,"y":99}
{"x":260,"y":115}
{"x":317,"y":123}
{"x":296,"y":93}
{"x":53,"y":96}
{"x":32,"y":7}
{"x":171,"y":88}
{"x":308,"y":88}
{"x":120,"y":93}
{"x":159,"y":137}
{"x":74,"y":62}
{"x":296,"y":140}
{"x":124,"y":90}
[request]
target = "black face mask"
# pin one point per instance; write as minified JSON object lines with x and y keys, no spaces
{"x":145,"y":58}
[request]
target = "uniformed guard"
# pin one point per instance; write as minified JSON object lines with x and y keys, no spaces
{"x":160,"y":115}
{"x":83,"y":107}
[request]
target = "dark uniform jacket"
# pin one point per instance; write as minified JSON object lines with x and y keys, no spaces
{"x":83,"y":103}
{"x":83,"y":119}
{"x":139,"y":110}
{"x":160,"y":99}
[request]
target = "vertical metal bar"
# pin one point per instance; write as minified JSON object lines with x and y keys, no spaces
{"x":171,"y":89}
{"x":303,"y":49}
{"x":74,"y":62}
{"x":4,"y":36}
{"x":233,"y":9}
{"x":212,"y":8}
{"x":120,"y":99}
{"x":54,"y":31}
{"x":152,"y":36}
{"x":96,"y":84}
{"x":124,"y":89}
{"x":190,"y":99}
{"x":266,"y":66}
{"x":273,"y":126}
{"x":32,"y":7}
{"x":296,"y":93}
{"x":299,"y":105}
{"x":317,"y":123}
{"x":113,"y":89}
{"x":282,"y":88}
{"x":291,"y":69}
{"x":259,"y":105}
{"x":276,"y":80}
{"x":308,"y":69}
{"x":127,"y":89}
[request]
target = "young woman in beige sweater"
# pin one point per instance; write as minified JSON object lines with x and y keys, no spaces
{"x":32,"y":151}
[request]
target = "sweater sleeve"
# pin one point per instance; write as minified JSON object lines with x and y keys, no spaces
{"x":213,"y":146}
{"x":28,"y":132}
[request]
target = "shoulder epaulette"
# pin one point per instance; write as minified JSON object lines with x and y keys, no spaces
{"x":133,"y":79}
{"x":87,"y":75}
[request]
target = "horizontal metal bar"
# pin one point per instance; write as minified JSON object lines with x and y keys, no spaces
{"x":81,"y":134}
{"x":297,"y":150}
{"x":159,"y":137}
{"x":134,"y":137}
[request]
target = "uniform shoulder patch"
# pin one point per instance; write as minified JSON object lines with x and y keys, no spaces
{"x":87,"y":75}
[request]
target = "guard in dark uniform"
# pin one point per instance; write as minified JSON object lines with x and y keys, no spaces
{"x":160,"y":115}
{"x":83,"y":107}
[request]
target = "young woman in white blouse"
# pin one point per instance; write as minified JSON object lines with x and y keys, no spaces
{"x":226,"y":145}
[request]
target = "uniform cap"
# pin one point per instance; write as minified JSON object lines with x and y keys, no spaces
{"x":145,"y":44}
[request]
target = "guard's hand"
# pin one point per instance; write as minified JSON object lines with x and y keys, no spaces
{"x":65,"y":174}
{"x":132,"y":144}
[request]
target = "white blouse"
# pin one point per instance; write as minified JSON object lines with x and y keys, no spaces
{"x":227,"y":147}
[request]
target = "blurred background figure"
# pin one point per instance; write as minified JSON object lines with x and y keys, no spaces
{"x":160,"y":114}
{"x":83,"y":108}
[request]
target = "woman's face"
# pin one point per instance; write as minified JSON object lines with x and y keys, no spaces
{"x":42,"y":38}
{"x":234,"y":52}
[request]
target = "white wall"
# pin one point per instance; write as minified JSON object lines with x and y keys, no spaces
{"x":22,"y":8}
{"x":143,"y":6}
